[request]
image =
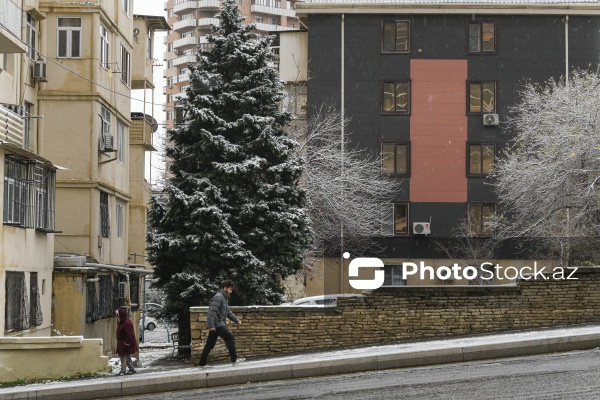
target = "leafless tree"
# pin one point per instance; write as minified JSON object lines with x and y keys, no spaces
{"x":547,"y":180}
{"x":345,"y":185}
{"x":468,"y":247}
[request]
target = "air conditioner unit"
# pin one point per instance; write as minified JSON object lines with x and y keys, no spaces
{"x":421,"y":228}
{"x":490,"y":120}
{"x":40,"y":71}
{"x":107,"y":143}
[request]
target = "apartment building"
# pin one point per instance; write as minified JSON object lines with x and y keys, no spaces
{"x":191,"y":21}
{"x":28,"y":176}
{"x":427,"y":87}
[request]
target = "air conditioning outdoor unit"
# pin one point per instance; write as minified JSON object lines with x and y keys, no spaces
{"x":40,"y":71}
{"x":421,"y":228}
{"x":107,"y":143}
{"x":490,"y":120}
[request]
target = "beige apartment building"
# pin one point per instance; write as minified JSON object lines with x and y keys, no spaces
{"x":191,"y":21}
{"x":72,"y":156}
{"x":27,"y":197}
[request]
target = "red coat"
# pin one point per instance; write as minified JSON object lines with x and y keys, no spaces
{"x":126,"y":341}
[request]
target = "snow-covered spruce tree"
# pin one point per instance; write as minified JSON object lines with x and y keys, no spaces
{"x":548,"y":179}
{"x":232,"y":207}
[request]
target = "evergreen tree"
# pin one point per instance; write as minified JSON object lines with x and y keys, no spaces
{"x":232,"y":207}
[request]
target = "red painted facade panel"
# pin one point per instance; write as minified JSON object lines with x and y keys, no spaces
{"x":438,"y":131}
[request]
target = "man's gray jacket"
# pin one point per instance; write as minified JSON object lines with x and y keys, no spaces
{"x":218,"y":311}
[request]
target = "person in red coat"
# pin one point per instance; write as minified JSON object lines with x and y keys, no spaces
{"x":126,"y":341}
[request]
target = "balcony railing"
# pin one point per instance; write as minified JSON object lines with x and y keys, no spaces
{"x":185,"y":42}
{"x":272,"y":10}
{"x":209,"y":5}
{"x":207,"y":22}
{"x":269,"y":27}
{"x":185,"y":60}
{"x":11,"y":126}
{"x":185,"y":6}
{"x":185,"y":24}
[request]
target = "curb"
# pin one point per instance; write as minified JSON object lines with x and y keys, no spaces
{"x":247,"y":373}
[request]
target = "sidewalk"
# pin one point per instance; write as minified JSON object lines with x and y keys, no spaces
{"x":318,"y":364}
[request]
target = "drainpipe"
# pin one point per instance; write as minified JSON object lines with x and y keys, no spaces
{"x":342,"y":156}
{"x":567,"y":50}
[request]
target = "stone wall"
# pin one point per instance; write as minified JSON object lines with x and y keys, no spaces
{"x":409,"y":312}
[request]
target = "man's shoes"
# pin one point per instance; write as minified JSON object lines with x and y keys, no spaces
{"x":238,"y":361}
{"x":121,"y":373}
{"x":131,"y":371}
{"x":205,"y":366}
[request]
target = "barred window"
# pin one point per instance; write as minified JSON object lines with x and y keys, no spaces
{"x":106,"y":306}
{"x":35,"y":306}
{"x":91,"y":305}
{"x":134,"y":291}
{"x":29,"y":194}
{"x":104,"y":216}
{"x":16,"y":302}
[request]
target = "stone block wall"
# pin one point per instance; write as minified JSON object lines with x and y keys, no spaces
{"x":410,"y":312}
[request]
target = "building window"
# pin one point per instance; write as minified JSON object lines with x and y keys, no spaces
{"x":104,"y":47}
{"x":91,"y":301}
{"x":69,"y":37}
{"x":395,"y":37}
{"x":35,"y":307}
{"x":134,"y":291}
{"x":121,"y":142}
{"x":482,"y":97}
{"x":104,"y":216}
{"x":480,"y":217}
{"x":119,"y":220}
{"x":395,"y":97}
{"x":258,"y":19}
{"x":393,"y":276}
{"x":3,"y":62}
{"x":31,"y":36}
{"x":400,"y":219}
{"x":105,"y":119}
{"x":107,"y":297}
{"x":395,"y":158}
{"x":292,"y":26}
{"x":482,"y":37}
{"x":29,"y":190}
{"x":126,"y":6}
{"x":16,"y":318}
{"x":273,"y":21}
{"x":481,"y":158}
{"x":125,"y":65}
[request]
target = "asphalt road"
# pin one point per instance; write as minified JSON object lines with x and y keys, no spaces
{"x":573,"y":375}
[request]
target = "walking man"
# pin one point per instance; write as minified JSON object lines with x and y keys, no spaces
{"x":218,"y":311}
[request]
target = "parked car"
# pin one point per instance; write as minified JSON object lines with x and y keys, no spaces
{"x":328,"y":300}
{"x":149,"y":316}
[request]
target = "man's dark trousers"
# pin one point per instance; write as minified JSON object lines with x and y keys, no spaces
{"x":222,"y":332}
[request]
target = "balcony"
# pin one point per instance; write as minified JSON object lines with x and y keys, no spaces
{"x":207,"y":22}
{"x":10,"y":28}
{"x":186,"y":24}
{"x":205,"y":5}
{"x":185,"y":6}
{"x":183,"y":77}
{"x":271,"y":28}
{"x":141,"y":130}
{"x":270,"y":7}
{"x":186,"y":42}
{"x":185,"y":60}
{"x":11,"y":126}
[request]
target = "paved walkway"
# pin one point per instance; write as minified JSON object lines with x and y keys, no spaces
{"x":185,"y":376}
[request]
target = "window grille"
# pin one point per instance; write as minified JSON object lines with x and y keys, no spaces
{"x":107,"y":295}
{"x":134,"y":290}
{"x":104,"y":216}
{"x":35,"y":307}
{"x":16,"y":302}
{"x":29,"y":190}
{"x":92,"y":307}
